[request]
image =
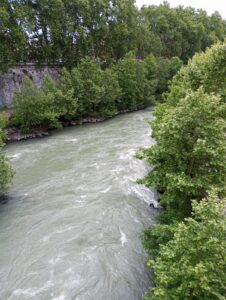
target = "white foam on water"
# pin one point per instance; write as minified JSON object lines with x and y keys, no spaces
{"x":117,"y":170}
{"x":143,"y":193}
{"x":60,"y":297}
{"x":106,"y":190}
{"x":15,"y":156}
{"x":54,"y":261}
{"x":32,"y":292}
{"x":45,"y":238}
{"x":93,"y":165}
{"x":63,"y":230}
{"x":69,"y":271}
{"x":71,"y":140}
{"x":123,"y":237}
{"x":128,"y":155}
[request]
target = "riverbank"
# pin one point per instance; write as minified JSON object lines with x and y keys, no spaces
{"x":15,"y":134}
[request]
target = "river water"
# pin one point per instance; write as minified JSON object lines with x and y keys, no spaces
{"x":70,"y":226}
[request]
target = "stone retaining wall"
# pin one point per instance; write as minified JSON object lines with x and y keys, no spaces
{"x":11,"y":81}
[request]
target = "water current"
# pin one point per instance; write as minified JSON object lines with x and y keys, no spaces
{"x":70,"y":225}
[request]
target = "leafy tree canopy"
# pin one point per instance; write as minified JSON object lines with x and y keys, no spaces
{"x":65,"y":31}
{"x":192,"y":265}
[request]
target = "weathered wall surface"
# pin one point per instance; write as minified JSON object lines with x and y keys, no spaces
{"x":11,"y":81}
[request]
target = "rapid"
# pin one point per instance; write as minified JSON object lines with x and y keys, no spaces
{"x":71,"y":222}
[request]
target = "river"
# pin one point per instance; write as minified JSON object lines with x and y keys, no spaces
{"x":70,"y":226}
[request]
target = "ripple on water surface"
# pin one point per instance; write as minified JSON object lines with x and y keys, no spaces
{"x":71,"y":226}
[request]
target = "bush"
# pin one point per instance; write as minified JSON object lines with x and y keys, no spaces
{"x":97,"y":90}
{"x":192,"y":264}
{"x":132,"y":77}
{"x":166,"y":69}
{"x":87,"y":85}
{"x":6,"y":172}
{"x":188,"y":162}
{"x":65,"y":104}
{"x":88,"y":90}
{"x":33,"y":108}
{"x":110,"y":97}
{"x":189,"y":156}
{"x":204,"y":69}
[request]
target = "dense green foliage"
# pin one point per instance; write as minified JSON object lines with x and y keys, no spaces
{"x":181,"y":31}
{"x":192,"y":265}
{"x":206,"y":70}
{"x":189,"y":156}
{"x":188,"y":258}
{"x":90,"y":91}
{"x":33,"y":107}
{"x":189,"y":129}
{"x":97,"y":90}
{"x":132,"y":77}
{"x":6,"y":172}
{"x":119,"y":58}
{"x":66,"y":31}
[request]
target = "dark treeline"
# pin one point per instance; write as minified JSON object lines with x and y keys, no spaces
{"x":65,"y":31}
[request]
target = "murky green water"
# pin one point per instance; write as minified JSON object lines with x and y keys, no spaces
{"x":70,"y":228}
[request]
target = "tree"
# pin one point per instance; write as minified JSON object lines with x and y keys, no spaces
{"x":12,"y":36}
{"x":166,"y":69}
{"x":6,"y":172}
{"x":193,"y":264}
{"x":33,"y":108}
{"x":189,"y":156}
{"x":65,"y":104}
{"x":206,"y":70}
{"x":97,"y":90}
{"x":188,"y":163}
{"x":87,"y":85}
{"x":151,"y":66}
{"x":136,"y":92}
{"x":189,"y":130}
{"x":110,"y":97}
{"x":108,"y":29}
{"x":181,"y":31}
{"x":123,"y":31}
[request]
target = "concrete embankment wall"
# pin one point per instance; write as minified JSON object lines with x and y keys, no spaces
{"x":11,"y":81}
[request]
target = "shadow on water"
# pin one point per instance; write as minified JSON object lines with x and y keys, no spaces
{"x":4,"y":199}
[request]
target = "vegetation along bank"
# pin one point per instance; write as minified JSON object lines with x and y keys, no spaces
{"x":187,"y":249}
{"x":118,"y":58}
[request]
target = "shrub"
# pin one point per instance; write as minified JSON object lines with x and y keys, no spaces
{"x":33,"y":108}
